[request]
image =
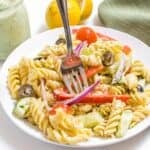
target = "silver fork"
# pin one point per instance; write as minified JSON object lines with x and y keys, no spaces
{"x":72,"y":69}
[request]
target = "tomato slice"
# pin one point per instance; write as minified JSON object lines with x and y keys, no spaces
{"x":86,"y":34}
{"x":127,"y":50}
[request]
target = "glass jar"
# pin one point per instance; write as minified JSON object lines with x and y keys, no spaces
{"x":14,"y":25}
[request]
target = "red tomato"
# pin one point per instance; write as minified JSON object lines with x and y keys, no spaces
{"x":86,"y":34}
{"x":126,"y":49}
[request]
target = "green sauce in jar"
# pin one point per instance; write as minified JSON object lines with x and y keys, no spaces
{"x":14,"y":26}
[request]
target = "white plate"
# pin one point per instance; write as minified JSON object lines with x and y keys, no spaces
{"x":32,"y":46}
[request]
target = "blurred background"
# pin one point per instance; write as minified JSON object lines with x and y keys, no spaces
{"x":19,"y":21}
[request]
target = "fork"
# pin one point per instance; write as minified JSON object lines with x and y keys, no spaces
{"x":73,"y":73}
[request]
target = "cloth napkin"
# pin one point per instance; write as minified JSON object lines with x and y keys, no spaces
{"x":131,"y":16}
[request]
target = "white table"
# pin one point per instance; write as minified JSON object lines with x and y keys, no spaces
{"x":12,"y":138}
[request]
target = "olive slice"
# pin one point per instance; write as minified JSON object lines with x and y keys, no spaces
{"x":26,"y":90}
{"x":39,"y":58}
{"x":60,"y":41}
{"x":107,"y":58}
{"x":140,"y":88}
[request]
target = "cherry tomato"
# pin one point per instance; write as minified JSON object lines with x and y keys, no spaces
{"x":86,"y":34}
{"x":127,"y":50}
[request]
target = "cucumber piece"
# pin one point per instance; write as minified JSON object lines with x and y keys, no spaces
{"x":90,"y":120}
{"x":124,"y":124}
{"x":22,"y":107}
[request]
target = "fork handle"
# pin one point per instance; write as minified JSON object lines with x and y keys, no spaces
{"x":62,"y":5}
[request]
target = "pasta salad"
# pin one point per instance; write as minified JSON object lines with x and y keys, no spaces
{"x":117,"y":101}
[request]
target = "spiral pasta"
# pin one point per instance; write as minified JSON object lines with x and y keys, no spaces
{"x":53,"y":84}
{"x":140,"y":113}
{"x":115,"y":46}
{"x":71,"y":132}
{"x":137,"y":68}
{"x":147,"y":93}
{"x":24,"y":69}
{"x":82,"y":109}
{"x":55,"y":50}
{"x":62,"y":137}
{"x":103,"y":79}
{"x":113,"y":120}
{"x":14,"y":81}
{"x":100,"y":129}
{"x":49,"y":63}
{"x":117,"y":89}
{"x":105,"y":109}
{"x":37,"y":114}
{"x":137,"y":98}
{"x":47,"y":74}
{"x":91,"y":60}
{"x":147,"y":75}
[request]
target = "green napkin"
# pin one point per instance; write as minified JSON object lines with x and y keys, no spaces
{"x":131,"y":16}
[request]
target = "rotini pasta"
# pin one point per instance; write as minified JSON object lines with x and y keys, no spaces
{"x":82,"y":109}
{"x":90,"y":60}
{"x":113,"y":120}
{"x":147,"y":75}
{"x":49,"y":63}
{"x":137,"y":98}
{"x":117,"y":89}
{"x":137,"y":68}
{"x":105,"y":109}
{"x":71,"y":131}
{"x":24,"y":69}
{"x":14,"y":81}
{"x":140,"y":113}
{"x":38,"y":73}
{"x":55,"y":50}
{"x":100,"y":129}
{"x":37,"y":115}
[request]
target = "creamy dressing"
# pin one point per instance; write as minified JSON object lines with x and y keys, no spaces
{"x":14,"y":26}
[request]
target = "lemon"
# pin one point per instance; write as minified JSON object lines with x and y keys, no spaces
{"x":53,"y":18}
{"x":86,"y":7}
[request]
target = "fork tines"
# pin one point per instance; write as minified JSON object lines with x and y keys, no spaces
{"x":75,"y":80}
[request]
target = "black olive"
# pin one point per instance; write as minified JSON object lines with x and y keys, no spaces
{"x":140,"y":88}
{"x":107,"y":58}
{"x":26,"y":90}
{"x":60,"y":40}
{"x":39,"y":58}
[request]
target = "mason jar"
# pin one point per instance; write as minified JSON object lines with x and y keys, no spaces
{"x":14,"y":26}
